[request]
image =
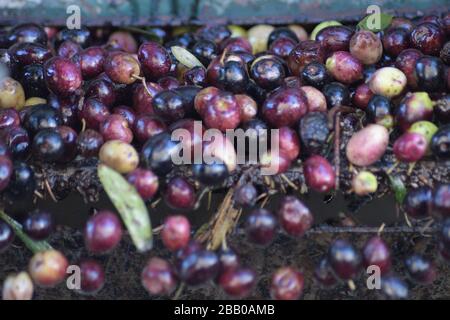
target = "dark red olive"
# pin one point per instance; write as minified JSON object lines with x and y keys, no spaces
{"x":92,"y":276}
{"x":102,"y":232}
{"x":126,"y":112}
{"x":93,"y":112}
{"x":430,"y":73}
{"x":395,"y":41}
{"x":268,"y":72}
{"x":324,"y":274}
{"x":115,"y":127}
{"x":376,"y":253}
{"x":38,"y":225}
{"x":176,"y":232}
{"x":179,"y":194}
{"x":90,"y":61}
{"x":344,"y":67}
{"x":345,"y":260}
{"x":9,"y":118}
{"x":285,"y":107}
{"x":168,"y":83}
{"x":29,"y":33}
{"x":122,"y":67}
{"x":441,"y":201}
{"x":261,"y":226}
{"x":406,"y":62}
{"x":428,"y":38}
{"x":143,"y":97}
{"x":67,"y":49}
{"x":335,"y":38}
{"x":199,"y":267}
{"x":238,"y":283}
{"x":362,"y":96}
{"x":23,"y":54}
{"x":222,"y":112}
{"x":102,"y":90}
{"x":304,"y":53}
{"x":89,"y":143}
{"x":147,"y":126}
{"x":282,"y":47}
{"x":69,"y":137}
{"x":418,"y":203}
{"x":294,"y":217}
{"x":287,"y":284}
{"x":319,"y":174}
{"x":145,"y":182}
{"x":236,"y":44}
{"x":158,"y":277}
{"x":421,"y":269}
{"x":63,"y":77}
{"x":195,"y":76}
{"x":155,"y":60}
{"x":410,"y":147}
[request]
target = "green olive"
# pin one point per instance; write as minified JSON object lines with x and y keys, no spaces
{"x":259,"y":37}
{"x":425,"y":128}
{"x":299,"y":31}
{"x":388,"y":81}
{"x":364,"y":183}
{"x":119,"y":156}
{"x":11,"y":94}
{"x":322,"y":26}
{"x":237,"y":31}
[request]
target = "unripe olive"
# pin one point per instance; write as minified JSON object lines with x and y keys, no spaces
{"x":237,"y":31}
{"x":299,"y":31}
{"x":34,"y":101}
{"x":322,"y":26}
{"x":119,"y":155}
{"x":388,"y":81}
{"x":259,"y":37}
{"x":368,"y":145}
{"x":11,"y":94}
{"x":364,"y":182}
{"x":425,"y":128}
{"x":48,"y":268}
{"x":18,"y":287}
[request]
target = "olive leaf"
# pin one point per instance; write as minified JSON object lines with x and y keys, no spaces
{"x":34,"y":246}
{"x":376,"y":22}
{"x":398,"y":187}
{"x":130,"y":205}
{"x":185,"y":57}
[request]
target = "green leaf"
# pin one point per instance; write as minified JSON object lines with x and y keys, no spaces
{"x":185,"y":57}
{"x":376,"y":22}
{"x":130,"y":205}
{"x":398,"y":187}
{"x":34,"y":246}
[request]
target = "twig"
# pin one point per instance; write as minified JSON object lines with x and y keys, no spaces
{"x":396,"y":229}
{"x":49,"y":190}
{"x":337,"y":148}
{"x":179,"y":291}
